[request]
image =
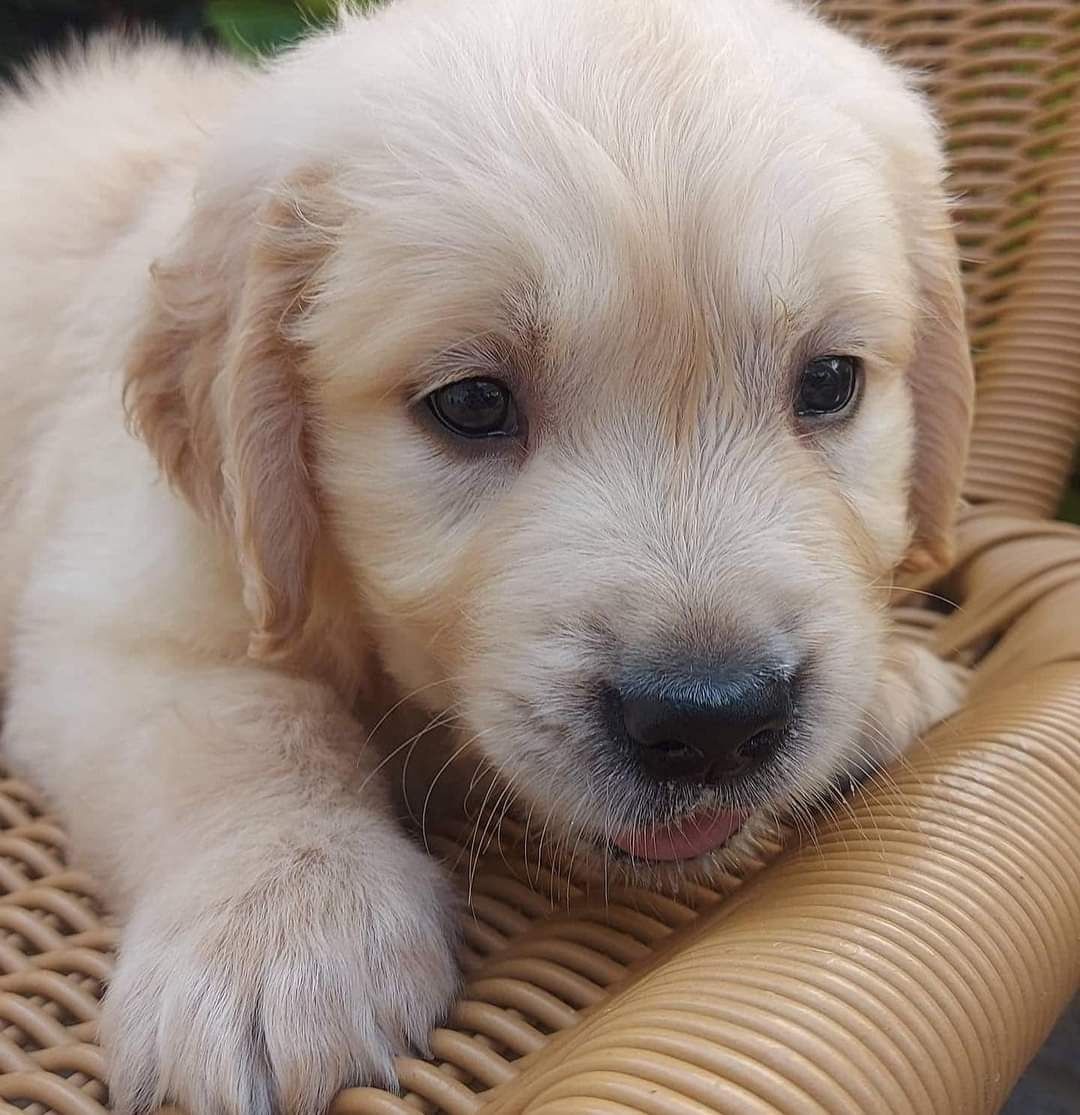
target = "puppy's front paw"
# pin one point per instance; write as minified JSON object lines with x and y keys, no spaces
{"x":267,"y":1002}
{"x":918,"y":690}
{"x":938,"y":688}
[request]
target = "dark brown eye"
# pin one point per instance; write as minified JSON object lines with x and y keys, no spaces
{"x":827,"y":386}
{"x":475,"y":408}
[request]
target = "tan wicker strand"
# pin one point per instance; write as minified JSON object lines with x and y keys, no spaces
{"x":51,"y":1090}
{"x":53,"y":959}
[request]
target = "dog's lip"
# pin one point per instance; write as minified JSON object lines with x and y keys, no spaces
{"x":687,"y":838}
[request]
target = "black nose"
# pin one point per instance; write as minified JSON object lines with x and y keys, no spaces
{"x":707,"y":728}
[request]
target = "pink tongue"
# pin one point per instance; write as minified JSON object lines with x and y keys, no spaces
{"x":693,"y":836}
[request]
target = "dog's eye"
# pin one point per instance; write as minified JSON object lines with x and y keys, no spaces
{"x":475,"y":408}
{"x":827,"y":386}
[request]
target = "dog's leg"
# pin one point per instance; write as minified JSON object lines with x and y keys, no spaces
{"x":917,"y":690}
{"x":283,"y":938}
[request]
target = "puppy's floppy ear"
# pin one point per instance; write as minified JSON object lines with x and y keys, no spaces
{"x":215,"y":387}
{"x":943,"y":385}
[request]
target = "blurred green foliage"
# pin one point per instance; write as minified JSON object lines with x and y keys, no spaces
{"x":262,"y":25}
{"x":246,"y":26}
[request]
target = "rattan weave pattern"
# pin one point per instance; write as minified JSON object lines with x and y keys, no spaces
{"x":54,"y":956}
{"x":1003,"y":75}
{"x":538,"y":950}
{"x":911,"y":961}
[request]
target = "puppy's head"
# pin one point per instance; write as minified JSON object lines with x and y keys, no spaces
{"x":616,"y":355}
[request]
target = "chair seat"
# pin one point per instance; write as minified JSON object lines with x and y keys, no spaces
{"x":908,"y":959}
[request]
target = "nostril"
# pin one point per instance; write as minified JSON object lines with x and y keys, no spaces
{"x":759,"y":741}
{"x":759,"y":747}
{"x":672,"y":749}
{"x":670,"y":759}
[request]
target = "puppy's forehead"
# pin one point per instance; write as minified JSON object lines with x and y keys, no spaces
{"x":711,"y":215}
{"x":666,"y":192}
{"x":772,"y":248}
{"x":768,"y":239}
{"x":716,"y":290}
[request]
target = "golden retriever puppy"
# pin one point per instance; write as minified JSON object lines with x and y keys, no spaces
{"x":585,"y":367}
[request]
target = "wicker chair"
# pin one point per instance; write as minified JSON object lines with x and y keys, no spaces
{"x":914,"y":956}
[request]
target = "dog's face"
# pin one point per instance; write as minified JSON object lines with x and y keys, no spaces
{"x":631,"y":515}
{"x":612,"y":409}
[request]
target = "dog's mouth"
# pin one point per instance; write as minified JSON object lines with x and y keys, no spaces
{"x":685,"y":839}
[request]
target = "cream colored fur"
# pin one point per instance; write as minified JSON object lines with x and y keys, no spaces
{"x":650,"y":212}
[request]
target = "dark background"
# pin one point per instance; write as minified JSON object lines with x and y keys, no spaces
{"x":247,"y":26}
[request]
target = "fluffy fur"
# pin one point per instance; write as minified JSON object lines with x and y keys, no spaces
{"x":646,"y":215}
